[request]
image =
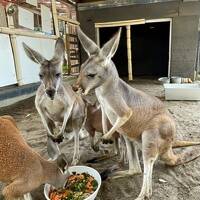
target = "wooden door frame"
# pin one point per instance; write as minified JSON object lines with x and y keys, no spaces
{"x":129,"y":23}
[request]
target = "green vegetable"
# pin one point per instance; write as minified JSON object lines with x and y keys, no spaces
{"x":95,"y":184}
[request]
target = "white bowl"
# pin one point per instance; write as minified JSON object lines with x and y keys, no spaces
{"x":164,"y":80}
{"x":80,"y":169}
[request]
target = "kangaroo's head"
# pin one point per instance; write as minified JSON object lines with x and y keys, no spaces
{"x":98,"y":68}
{"x":50,"y":70}
{"x":58,"y":177}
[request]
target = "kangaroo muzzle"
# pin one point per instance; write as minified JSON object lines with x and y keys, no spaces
{"x":51,"y":93}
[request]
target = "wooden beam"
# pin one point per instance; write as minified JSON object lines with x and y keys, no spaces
{"x":119,"y":23}
{"x":71,"y":21}
{"x":55,"y":17}
{"x":23,"y":32}
{"x":128,"y":36}
{"x":16,"y":59}
{"x":97,"y":36}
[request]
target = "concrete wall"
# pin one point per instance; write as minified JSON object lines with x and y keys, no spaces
{"x":185,"y":16}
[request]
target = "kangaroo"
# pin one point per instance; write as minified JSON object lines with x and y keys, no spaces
{"x":22,"y":169}
{"x":55,"y":103}
{"x":93,"y":124}
{"x":133,"y":113}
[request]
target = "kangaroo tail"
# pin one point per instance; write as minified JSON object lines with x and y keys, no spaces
{"x":182,"y":143}
{"x":172,"y":159}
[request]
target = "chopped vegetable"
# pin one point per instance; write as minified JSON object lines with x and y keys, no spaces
{"x":78,"y":187}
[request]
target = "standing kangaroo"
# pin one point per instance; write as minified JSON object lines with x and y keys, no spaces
{"x":138,"y":116}
{"x":22,"y":169}
{"x":55,"y":102}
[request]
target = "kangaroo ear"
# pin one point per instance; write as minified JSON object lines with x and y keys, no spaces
{"x":111,"y":46}
{"x":90,"y":47}
{"x":33,"y":55}
{"x":62,"y":162}
{"x":52,"y":149}
{"x":59,"y":52}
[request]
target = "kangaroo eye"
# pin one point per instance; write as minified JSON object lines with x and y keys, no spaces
{"x":58,"y":75}
{"x":91,"y":75}
{"x":41,"y":76}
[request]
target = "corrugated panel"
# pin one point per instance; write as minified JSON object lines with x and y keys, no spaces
{"x":117,"y":3}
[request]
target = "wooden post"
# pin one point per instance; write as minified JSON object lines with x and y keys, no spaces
{"x":13,"y":42}
{"x":16,"y":59}
{"x":55,"y":18}
{"x":128,"y":35}
{"x":97,"y":36}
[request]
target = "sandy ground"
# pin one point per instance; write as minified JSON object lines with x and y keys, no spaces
{"x":181,"y":183}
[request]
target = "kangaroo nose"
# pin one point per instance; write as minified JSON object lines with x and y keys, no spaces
{"x":75,"y":87}
{"x":50,"y":93}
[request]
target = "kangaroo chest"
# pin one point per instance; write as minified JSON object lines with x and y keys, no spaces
{"x":107,"y":108}
{"x":54,"y":109}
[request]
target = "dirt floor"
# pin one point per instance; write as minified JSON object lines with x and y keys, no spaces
{"x":180,"y":183}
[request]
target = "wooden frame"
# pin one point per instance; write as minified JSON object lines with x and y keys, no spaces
{"x":119,"y":23}
{"x":71,"y":21}
{"x":12,"y":32}
{"x":129,"y":23}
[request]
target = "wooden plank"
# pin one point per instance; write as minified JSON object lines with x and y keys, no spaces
{"x":97,"y":37}
{"x":71,"y":21}
{"x":16,"y":60}
{"x":55,"y":17}
{"x":26,"y":33}
{"x":128,"y":36}
{"x":73,"y":54}
{"x":73,"y":58}
{"x":3,"y":21}
{"x":119,"y":23}
{"x":76,"y":65}
{"x":73,"y":50}
{"x":73,"y":42}
{"x":72,"y":35}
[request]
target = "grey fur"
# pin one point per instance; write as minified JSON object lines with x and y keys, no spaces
{"x":55,"y":103}
{"x":138,"y":116}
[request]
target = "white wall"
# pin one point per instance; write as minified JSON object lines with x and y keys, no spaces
{"x":7,"y":66}
{"x":29,"y":69}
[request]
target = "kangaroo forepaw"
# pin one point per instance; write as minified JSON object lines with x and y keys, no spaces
{"x":57,"y":139}
{"x":109,"y":141}
{"x":95,"y":148}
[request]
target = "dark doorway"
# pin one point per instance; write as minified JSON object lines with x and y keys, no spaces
{"x":120,"y":57}
{"x":150,"y":49}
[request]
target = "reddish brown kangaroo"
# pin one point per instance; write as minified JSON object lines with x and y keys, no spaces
{"x":22,"y":169}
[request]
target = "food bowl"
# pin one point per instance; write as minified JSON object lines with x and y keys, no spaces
{"x":164,"y":80}
{"x":79,"y":169}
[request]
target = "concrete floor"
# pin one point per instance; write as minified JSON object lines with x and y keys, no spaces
{"x":182,"y":182}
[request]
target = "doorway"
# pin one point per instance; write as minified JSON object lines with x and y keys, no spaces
{"x":150,"y":46}
{"x":150,"y":49}
{"x":120,"y":57}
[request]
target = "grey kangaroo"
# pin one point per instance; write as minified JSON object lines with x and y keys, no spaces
{"x":138,"y":116}
{"x":56,"y":103}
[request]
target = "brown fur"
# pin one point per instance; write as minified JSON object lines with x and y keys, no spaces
{"x":22,"y":169}
{"x":131,"y":112}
